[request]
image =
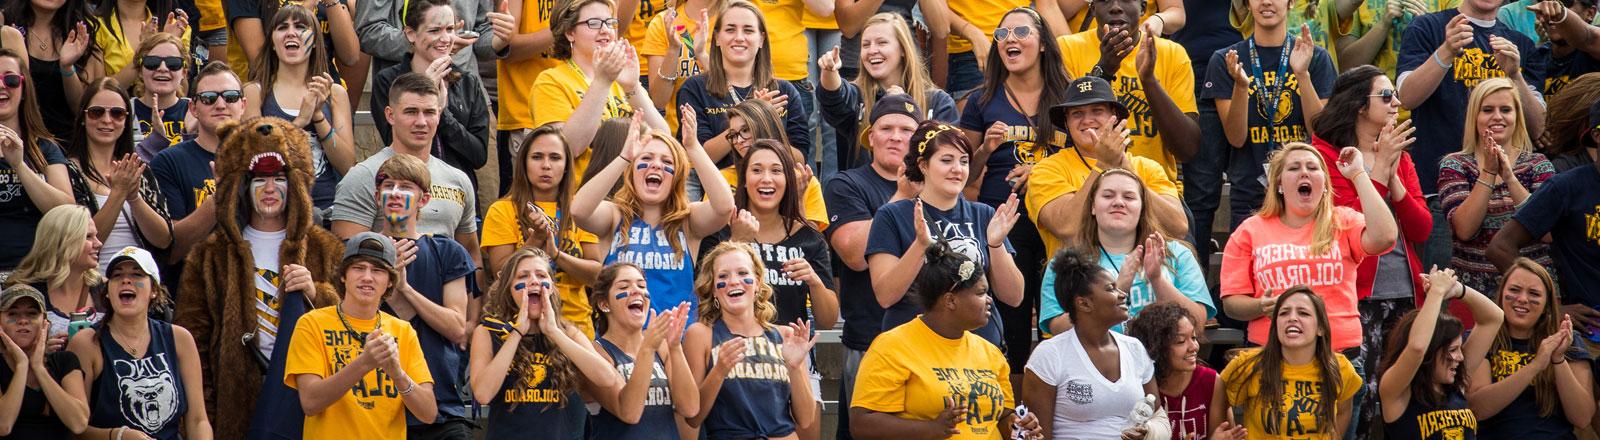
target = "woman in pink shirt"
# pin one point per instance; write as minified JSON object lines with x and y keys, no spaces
{"x":1301,"y":237}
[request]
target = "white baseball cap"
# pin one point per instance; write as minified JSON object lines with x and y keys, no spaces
{"x":142,"y":257}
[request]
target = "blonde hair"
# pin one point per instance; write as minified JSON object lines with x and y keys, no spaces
{"x":705,"y":280}
{"x":56,"y":243}
{"x":148,"y":44}
{"x":407,"y":168}
{"x":914,"y":78}
{"x":1471,"y":132}
{"x":675,"y":216}
{"x":1274,"y":206}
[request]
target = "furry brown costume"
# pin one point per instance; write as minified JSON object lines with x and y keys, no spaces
{"x":217,"y":299}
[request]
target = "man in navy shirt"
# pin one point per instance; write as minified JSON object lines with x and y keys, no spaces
{"x":1570,"y":42}
{"x":853,"y":197}
{"x":184,"y":170}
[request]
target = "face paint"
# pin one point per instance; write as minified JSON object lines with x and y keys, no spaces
{"x":519,"y":286}
{"x":546,"y":284}
{"x":669,"y":169}
{"x":750,"y":281}
{"x":642,"y":165}
{"x":305,"y":38}
{"x":722,"y":284}
{"x":407,"y":197}
{"x":621,"y":295}
{"x":138,"y":284}
{"x":258,"y":189}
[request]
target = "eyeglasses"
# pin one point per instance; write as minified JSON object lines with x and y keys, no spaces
{"x":12,"y":80}
{"x":1386,"y":94}
{"x":208,"y":98}
{"x":98,"y":112}
{"x":1019,"y":32}
{"x":738,"y":136}
{"x":152,"y":62}
{"x":597,"y":23}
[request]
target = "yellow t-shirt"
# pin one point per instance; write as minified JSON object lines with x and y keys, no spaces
{"x":1065,"y":172}
{"x":648,"y":9}
{"x":558,"y":91}
{"x":1076,"y":22}
{"x":813,"y":21}
{"x":787,"y":36}
{"x":985,"y":14}
{"x":211,"y":16}
{"x":500,"y":227}
{"x":1302,"y":394}
{"x":322,"y":346}
{"x":516,"y":78}
{"x":655,"y":44}
{"x":116,"y":50}
{"x":815,"y":209}
{"x":1082,"y":50}
{"x":910,"y":370}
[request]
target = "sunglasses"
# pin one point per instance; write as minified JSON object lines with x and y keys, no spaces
{"x":208,"y":98}
{"x":597,"y":23}
{"x":97,"y":112}
{"x":1386,"y":94}
{"x":1019,"y":32}
{"x":152,"y":62}
{"x":12,"y":80}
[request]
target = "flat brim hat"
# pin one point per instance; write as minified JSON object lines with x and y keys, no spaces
{"x":141,"y":257}
{"x":1086,"y":90}
{"x":20,"y":292}
{"x":370,"y":244}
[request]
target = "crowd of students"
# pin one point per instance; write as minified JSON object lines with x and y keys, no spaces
{"x":1007,"y":208}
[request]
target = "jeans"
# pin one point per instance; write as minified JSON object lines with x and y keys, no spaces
{"x":1355,"y":357}
{"x":964,"y":75}
{"x":1202,"y":186}
{"x":824,"y":144}
{"x":510,"y":142}
{"x":847,"y":385}
{"x":451,"y":429}
{"x":1437,"y":251}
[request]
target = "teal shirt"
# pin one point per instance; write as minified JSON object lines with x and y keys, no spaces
{"x":1184,"y":271}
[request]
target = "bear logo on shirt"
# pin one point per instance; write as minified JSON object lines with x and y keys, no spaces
{"x":149,"y":397}
{"x":1079,"y":392}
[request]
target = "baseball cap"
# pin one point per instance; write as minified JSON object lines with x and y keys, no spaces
{"x":146,"y":262}
{"x":371,"y":244}
{"x":895,"y":104}
{"x":1084,"y":91}
{"x":20,"y":292}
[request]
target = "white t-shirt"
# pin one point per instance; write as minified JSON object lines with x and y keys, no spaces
{"x":264,"y":249}
{"x":1087,"y":405}
{"x":121,"y":235}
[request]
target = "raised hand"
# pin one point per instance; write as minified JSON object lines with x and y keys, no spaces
{"x":438,"y":71}
{"x":1111,"y":148}
{"x":1115,"y":44}
{"x":1155,"y":254}
{"x":778,"y":100}
{"x":609,"y":62}
{"x":523,"y":322}
{"x":158,"y":115}
{"x":1394,"y":139}
{"x":378,"y":350}
{"x":457,"y":41}
{"x":1506,"y":55}
{"x":1441,"y":283}
{"x":798,"y":269}
{"x":1004,"y":218}
{"x":920,"y":224}
{"x":503,"y":25}
{"x":660,"y":325}
{"x":1236,"y":69}
{"x":628,"y":78}
{"x":744,"y":226}
{"x":1394,"y":10}
{"x":1549,"y":11}
{"x":15,"y":357}
{"x":548,"y":323}
{"x":406,"y":253}
{"x":1457,"y":35}
{"x":177,"y":21}
{"x":994,"y":136}
{"x":688,"y":125}
{"x":1132,"y":266}
{"x":730,"y":353}
{"x":1268,"y":302}
{"x":798,"y":343}
{"x":76,"y":44}
{"x":637,"y":135}
{"x":1556,"y":344}
{"x":674,"y":339}
{"x":1351,"y":163}
{"x":830,"y":62}
{"x":1304,"y":48}
{"x":1145,"y":61}
{"x":127,"y":175}
{"x":317,"y":91}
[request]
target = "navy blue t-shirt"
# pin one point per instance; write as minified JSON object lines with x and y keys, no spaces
{"x":1520,"y":418}
{"x":712,"y":112}
{"x":854,"y":195}
{"x":1439,"y":119}
{"x":172,"y":120}
{"x":1204,"y":32}
{"x":983,"y":111}
{"x":965,"y":226}
{"x":184,"y":173}
{"x":1568,"y":208}
{"x":439,"y":260}
{"x":19,"y":217}
{"x":1269,"y":128}
{"x":1561,"y":70}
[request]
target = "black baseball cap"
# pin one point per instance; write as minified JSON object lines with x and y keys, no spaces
{"x":895,"y":104}
{"x":1086,"y":90}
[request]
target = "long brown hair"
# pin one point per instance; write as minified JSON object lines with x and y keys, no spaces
{"x":789,"y":205}
{"x":705,"y":279}
{"x":762,"y":118}
{"x":265,"y":70}
{"x":1447,"y":329}
{"x":600,"y":293}
{"x":1274,"y":206}
{"x":761,"y":74}
{"x":1544,"y":384}
{"x":31,"y":123}
{"x":1266,"y":369}
{"x":1566,"y":121}
{"x":78,"y":147}
{"x":522,"y":193}
{"x":1088,"y":238}
{"x":675,"y":215}
{"x":608,"y":141}
{"x":500,"y":304}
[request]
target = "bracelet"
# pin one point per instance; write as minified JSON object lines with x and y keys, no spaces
{"x":409,"y":389}
{"x":679,"y":74}
{"x":996,"y":246}
{"x":331,"y":131}
{"x":1163,"y":21}
{"x":1485,"y":184}
{"x":67,"y":72}
{"x":1563,"y":360}
{"x":1438,"y":61}
{"x":1563,"y":17}
{"x":120,"y":430}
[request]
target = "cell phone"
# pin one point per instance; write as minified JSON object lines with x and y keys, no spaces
{"x":465,"y":33}
{"x":79,"y":321}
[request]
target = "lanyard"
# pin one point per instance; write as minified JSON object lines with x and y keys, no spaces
{"x":1267,"y":99}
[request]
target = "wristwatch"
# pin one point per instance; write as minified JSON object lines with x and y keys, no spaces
{"x":1100,"y":72}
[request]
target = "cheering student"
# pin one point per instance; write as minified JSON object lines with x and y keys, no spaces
{"x":463,"y":133}
{"x":1172,"y":337}
{"x":530,"y":215}
{"x":889,"y":56}
{"x":903,"y":230}
{"x":1569,"y":46}
{"x":357,"y":368}
{"x":161,"y":104}
{"x":132,"y":360}
{"x":184,"y":170}
{"x":528,"y":40}
{"x":44,"y":396}
{"x":597,"y":80}
{"x":246,"y":285}
{"x":1483,"y":184}
{"x":34,"y":169}
{"x":1423,"y":391}
{"x":430,"y":293}
{"x":1538,"y":381}
{"x":673,"y":44}
{"x":1268,"y":89}
{"x":738,"y":68}
{"x":753,"y":378}
{"x":649,"y":221}
{"x":116,"y":186}
{"x":118,"y":41}
{"x":653,"y":397}
{"x":291,"y":82}
{"x":1295,"y":386}
{"x":855,"y":195}
{"x":66,"y":278}
{"x":901,"y":391}
{"x":753,"y":120}
{"x":528,"y":365}
{"x":60,"y":45}
{"x":1091,"y":359}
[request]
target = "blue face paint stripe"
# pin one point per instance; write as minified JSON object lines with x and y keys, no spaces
{"x":642,"y":165}
{"x":519,"y":286}
{"x":722,"y":284}
{"x":669,"y":169}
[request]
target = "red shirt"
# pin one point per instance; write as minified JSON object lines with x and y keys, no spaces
{"x":1188,"y":411}
{"x":1411,"y":215}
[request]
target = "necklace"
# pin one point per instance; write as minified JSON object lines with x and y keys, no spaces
{"x":339,"y":310}
{"x":1267,"y":98}
{"x":134,"y":351}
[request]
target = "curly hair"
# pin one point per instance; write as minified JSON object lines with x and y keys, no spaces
{"x":706,"y":277}
{"x":500,"y":304}
{"x":1157,"y":327}
{"x":941,"y":274}
{"x":1076,"y":273}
